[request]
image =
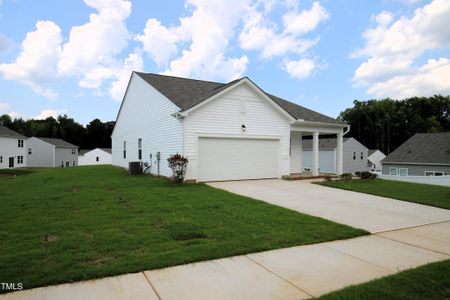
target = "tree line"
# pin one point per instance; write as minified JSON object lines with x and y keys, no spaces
{"x":96,"y":134}
{"x":386,"y":124}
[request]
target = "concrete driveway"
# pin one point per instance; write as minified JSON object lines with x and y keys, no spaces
{"x":372,"y":213}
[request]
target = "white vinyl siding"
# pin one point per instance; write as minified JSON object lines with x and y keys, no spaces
{"x":9,"y":148}
{"x":43,"y":154}
{"x":224,"y":117}
{"x":146,"y":114}
{"x":236,"y":158}
{"x":95,"y":157}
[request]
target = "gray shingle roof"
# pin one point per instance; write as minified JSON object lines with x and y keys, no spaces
{"x":371,"y":151}
{"x":186,"y":93}
{"x":433,"y":148}
{"x":57,"y":142}
{"x":6,"y":132}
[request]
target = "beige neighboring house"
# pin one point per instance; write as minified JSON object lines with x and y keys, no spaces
{"x":97,"y":156}
{"x":12,"y":149}
{"x":50,"y":152}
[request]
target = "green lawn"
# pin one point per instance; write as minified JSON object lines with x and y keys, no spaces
{"x":427,"y":282}
{"x":69,"y":224}
{"x":433,"y":195}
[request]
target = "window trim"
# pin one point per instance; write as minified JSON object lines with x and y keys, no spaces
{"x":400,"y":173}
{"x":393,"y":169}
{"x":354,"y":155}
{"x":140,"y":148}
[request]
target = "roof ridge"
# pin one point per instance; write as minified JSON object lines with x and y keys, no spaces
{"x":179,"y":77}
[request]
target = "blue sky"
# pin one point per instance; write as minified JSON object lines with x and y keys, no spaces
{"x":75,"y":57}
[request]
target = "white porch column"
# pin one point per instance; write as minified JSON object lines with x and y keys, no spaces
{"x":315,"y":154}
{"x":339,"y":153}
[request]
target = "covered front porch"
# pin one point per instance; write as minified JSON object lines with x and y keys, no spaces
{"x":309,"y":130}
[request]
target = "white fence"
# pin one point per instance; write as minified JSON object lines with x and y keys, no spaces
{"x":436,"y":180}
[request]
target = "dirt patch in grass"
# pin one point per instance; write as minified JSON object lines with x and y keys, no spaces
{"x":48,"y":238}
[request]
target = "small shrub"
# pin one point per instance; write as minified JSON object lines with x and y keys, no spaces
{"x":346,"y":176}
{"x":328,"y":178}
{"x":366,"y":175}
{"x":178,"y":164}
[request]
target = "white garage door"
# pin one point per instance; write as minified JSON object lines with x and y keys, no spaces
{"x":326,"y":160}
{"x":234,"y":159}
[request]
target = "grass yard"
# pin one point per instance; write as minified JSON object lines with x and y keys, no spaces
{"x":427,"y":282}
{"x":433,"y":195}
{"x":70,"y":224}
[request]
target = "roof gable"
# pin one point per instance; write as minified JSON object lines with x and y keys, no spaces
{"x":432,"y":148}
{"x":187,"y":93}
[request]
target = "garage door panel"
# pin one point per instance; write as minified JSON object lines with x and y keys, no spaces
{"x":235,"y":159}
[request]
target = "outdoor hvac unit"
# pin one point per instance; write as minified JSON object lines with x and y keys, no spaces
{"x":135,"y":168}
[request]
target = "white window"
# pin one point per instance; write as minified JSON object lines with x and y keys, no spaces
{"x":74,"y":151}
{"x":124,"y":149}
{"x":97,"y":158}
{"x":403,"y":171}
{"x":20,"y":143}
{"x":354,"y":155}
{"x":393,"y":171}
{"x":30,"y":151}
{"x":20,"y":159}
{"x":434,"y":173}
{"x":362,"y":156}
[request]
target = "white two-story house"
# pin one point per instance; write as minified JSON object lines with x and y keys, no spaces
{"x":12,"y":149}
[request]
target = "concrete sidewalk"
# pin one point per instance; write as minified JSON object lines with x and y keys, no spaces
{"x":291,"y":273}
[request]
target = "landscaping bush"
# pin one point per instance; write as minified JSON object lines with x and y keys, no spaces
{"x":346,"y":176}
{"x":328,"y":178}
{"x":366,"y":175}
{"x":178,"y":164}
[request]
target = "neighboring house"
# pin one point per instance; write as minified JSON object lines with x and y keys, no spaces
{"x":354,"y":155}
{"x":228,"y":131}
{"x":97,"y":156}
{"x":374,"y":159}
{"x":424,"y":154}
{"x":49,"y":152}
{"x":12,"y":149}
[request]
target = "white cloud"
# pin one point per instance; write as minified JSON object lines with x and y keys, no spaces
{"x":394,"y":48}
{"x":197,"y":47}
{"x":300,"y":69}
{"x":259,"y":34}
{"x":4,"y":106}
{"x":36,"y":64}
{"x":133,"y":62}
{"x":95,"y":43}
{"x":14,"y":115}
{"x":306,"y":20}
{"x":46,"y":113}
{"x":432,"y":78}
{"x":159,"y":42}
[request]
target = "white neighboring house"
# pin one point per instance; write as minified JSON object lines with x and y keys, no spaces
{"x":374,"y":159}
{"x":354,"y":155}
{"x":97,"y":156}
{"x":49,"y":152}
{"x":227,"y":131}
{"x":12,"y":149}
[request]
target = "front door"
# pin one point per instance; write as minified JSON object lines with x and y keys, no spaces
{"x":11,"y":162}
